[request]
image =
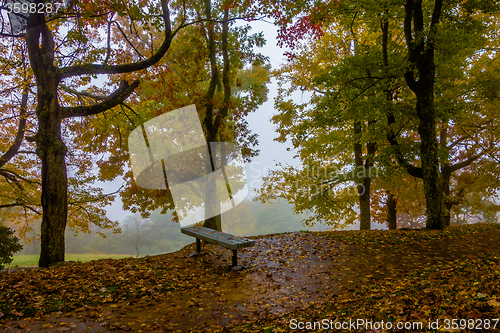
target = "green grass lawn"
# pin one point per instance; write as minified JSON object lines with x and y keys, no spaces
{"x":32,"y":259}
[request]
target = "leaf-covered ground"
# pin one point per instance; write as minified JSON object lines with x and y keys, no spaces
{"x":397,"y":276}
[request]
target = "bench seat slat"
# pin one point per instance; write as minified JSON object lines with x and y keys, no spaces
{"x":219,"y":238}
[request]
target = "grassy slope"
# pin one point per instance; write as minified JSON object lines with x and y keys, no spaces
{"x":32,"y":259}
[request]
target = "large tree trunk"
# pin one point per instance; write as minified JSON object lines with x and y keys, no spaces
{"x":364,"y":174}
{"x":448,"y":203}
{"x":212,"y":204}
{"x":212,"y":222}
{"x":52,"y":151}
{"x":391,"y":199}
{"x":50,"y":147}
{"x":433,"y":189}
{"x":213,"y":121}
{"x":422,"y":65}
{"x":364,"y":204}
{"x":392,"y":202}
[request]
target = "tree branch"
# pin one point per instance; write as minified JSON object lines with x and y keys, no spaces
{"x":436,"y":13}
{"x":116,"y":98}
{"x":407,"y":23}
{"x":128,"y":41}
{"x":391,"y":137}
{"x":3,"y":34}
{"x":108,"y":41}
{"x":21,"y":205}
{"x":20,"y":131}
{"x":409,"y":75}
{"x":418,"y":17}
{"x":214,"y":78}
{"x":463,"y":164}
{"x":125,"y":68}
{"x":225,"y":72}
{"x":245,"y":18}
{"x":99,"y":198}
{"x":126,"y":115}
{"x":302,"y":87}
{"x":82,"y":93}
{"x":11,"y":175}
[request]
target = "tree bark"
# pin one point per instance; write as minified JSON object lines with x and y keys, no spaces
{"x":363,"y":170}
{"x":421,"y":64}
{"x":50,"y":147}
{"x":446,"y":175}
{"x":433,"y":188}
{"x":391,"y":211}
{"x":14,"y":148}
{"x":213,"y":121}
{"x":391,"y":199}
{"x":364,"y":204}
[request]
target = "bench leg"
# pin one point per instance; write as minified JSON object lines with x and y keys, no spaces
{"x":198,"y":248}
{"x":235,"y":258}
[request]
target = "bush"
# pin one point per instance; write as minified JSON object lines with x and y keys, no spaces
{"x":9,"y":244}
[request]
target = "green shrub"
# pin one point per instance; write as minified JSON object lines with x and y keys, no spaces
{"x":9,"y":244}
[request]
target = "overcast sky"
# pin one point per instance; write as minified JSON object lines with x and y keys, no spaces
{"x":271,"y":152}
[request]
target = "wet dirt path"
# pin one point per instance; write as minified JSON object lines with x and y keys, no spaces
{"x":284,"y":272}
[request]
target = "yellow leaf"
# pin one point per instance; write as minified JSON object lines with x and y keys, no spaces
{"x":493,"y":302}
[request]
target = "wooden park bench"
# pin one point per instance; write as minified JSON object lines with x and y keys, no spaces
{"x":219,"y":238}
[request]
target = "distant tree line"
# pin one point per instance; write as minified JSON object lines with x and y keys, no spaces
{"x":159,"y":234}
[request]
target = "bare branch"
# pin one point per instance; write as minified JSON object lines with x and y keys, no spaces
{"x":82,"y":93}
{"x":116,"y":98}
{"x":214,"y":74}
{"x":99,"y":198}
{"x":128,"y":41}
{"x":108,"y":49}
{"x":463,"y":164}
{"x":10,"y":175}
{"x":20,"y":132}
{"x":402,"y":161}
{"x":2,"y":34}
{"x":20,"y":204}
{"x":302,"y":87}
{"x":225,"y":72}
{"x":125,"y":68}
{"x":409,"y":75}
{"x":244,"y":18}
{"x":436,"y":13}
{"x":126,"y":115}
{"x":32,"y":152}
